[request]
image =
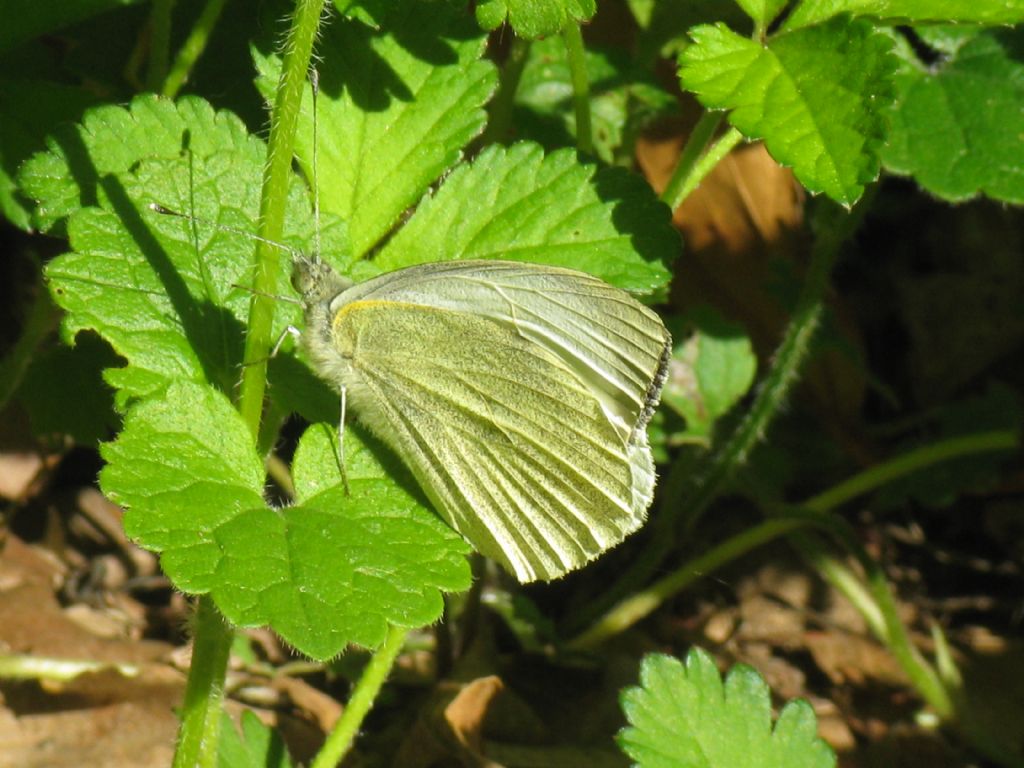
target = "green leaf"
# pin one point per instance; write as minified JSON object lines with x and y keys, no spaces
{"x":532,"y":19}
{"x":816,"y":96}
{"x":163,"y":291}
{"x":332,"y":570}
{"x":397,"y":104}
{"x":622,"y":101}
{"x":316,"y":469}
{"x":762,"y":11}
{"x":257,"y":746}
{"x":708,"y":373}
{"x":517,"y":204}
{"x":957,"y":124}
{"x":684,"y":717}
{"x":811,"y":12}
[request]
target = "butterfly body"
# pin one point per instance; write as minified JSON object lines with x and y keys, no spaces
{"x":518,"y":394}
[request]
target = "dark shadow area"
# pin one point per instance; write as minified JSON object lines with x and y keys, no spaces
{"x":212,"y":332}
{"x":297,"y":390}
{"x":349,"y":62}
{"x":638,"y":214}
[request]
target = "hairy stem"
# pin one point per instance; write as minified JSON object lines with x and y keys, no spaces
{"x":276,"y":179}
{"x":204,"y":693}
{"x":199,"y":734}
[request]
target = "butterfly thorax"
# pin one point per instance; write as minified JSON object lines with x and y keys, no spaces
{"x":319,"y":285}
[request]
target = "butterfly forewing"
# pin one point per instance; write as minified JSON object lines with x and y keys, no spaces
{"x":616,"y":345}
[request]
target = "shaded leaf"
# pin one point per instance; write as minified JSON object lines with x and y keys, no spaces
{"x":29,"y":110}
{"x":957,"y":125}
{"x":710,"y":370}
{"x":64,"y":393}
{"x":811,"y":12}
{"x":622,"y":100}
{"x":25,"y":19}
{"x":256,"y":746}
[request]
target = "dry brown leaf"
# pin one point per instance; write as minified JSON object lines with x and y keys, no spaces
{"x":449,"y":726}
{"x":746,"y":215}
{"x":854,"y":659}
{"x":322,"y":709}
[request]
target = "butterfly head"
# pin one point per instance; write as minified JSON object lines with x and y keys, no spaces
{"x":316,"y":281}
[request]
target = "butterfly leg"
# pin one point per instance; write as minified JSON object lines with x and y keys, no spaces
{"x":289,"y":330}
{"x":341,"y":439}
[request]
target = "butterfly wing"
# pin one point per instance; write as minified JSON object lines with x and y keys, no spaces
{"x":518,"y":395}
{"x":617,"y":345}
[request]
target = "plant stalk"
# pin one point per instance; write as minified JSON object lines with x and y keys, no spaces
{"x":199,"y":734}
{"x":696,"y":144}
{"x":276,"y":179}
{"x":192,"y":48}
{"x":641,"y":604}
{"x":159,"y":42}
{"x":920,"y":458}
{"x":689,"y":489}
{"x":200,"y":729}
{"x":503,"y":103}
{"x":340,"y":739}
{"x":576,"y":57}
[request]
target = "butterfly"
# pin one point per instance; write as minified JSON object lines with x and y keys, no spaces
{"x":518,"y":394}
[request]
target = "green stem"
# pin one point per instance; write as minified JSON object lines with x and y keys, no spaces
{"x":697,"y":486}
{"x":24,"y":667}
{"x":845,"y":581}
{"x":690,"y":489}
{"x":193,"y":47}
{"x":503,"y":103}
{"x":880,"y":474}
{"x":640,"y":605}
{"x":939,"y":686}
{"x":366,"y":690}
{"x":707,"y":162}
{"x":199,"y":735}
{"x":696,"y":144}
{"x":276,"y":178}
{"x":580,"y":86}
{"x":882,"y":613}
{"x":204,"y":693}
{"x":159,"y":42}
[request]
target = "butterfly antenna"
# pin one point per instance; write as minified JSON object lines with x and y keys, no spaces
{"x":164,"y":211}
{"x":314,"y":82}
